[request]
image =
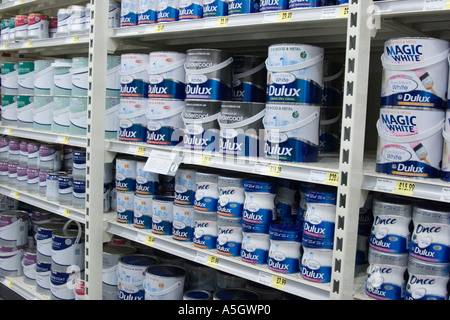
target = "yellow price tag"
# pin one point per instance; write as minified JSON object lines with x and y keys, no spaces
{"x":140,"y":151}
{"x":274,"y":170}
{"x":66,"y":213}
{"x":16,"y":195}
{"x":284,"y":16}
{"x":159,"y":27}
{"x":65,"y":140}
{"x":343,"y":12}
{"x":74,"y":39}
{"x":5,"y":46}
{"x":10,"y":131}
{"x":29,"y":44}
{"x":332,"y":178}
{"x":404,"y":188}
{"x":206,"y":160}
{"x":222,"y":22}
{"x":447,"y":6}
{"x":212,"y":261}
{"x":278,"y":282}
{"x":9,"y":284}
{"x":149,"y":241}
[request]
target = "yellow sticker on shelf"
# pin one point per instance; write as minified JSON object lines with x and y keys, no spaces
{"x":65,"y":140}
{"x":66,"y":213}
{"x":278,"y":282}
{"x":332,"y":178}
{"x":343,"y":12}
{"x":29,"y":44}
{"x":212,"y":261}
{"x":74,"y":39}
{"x":159,"y":28}
{"x":206,"y":160}
{"x":9,"y":132}
{"x":274,"y":170}
{"x":9,"y":284}
{"x":222,"y":22}
{"x":284,"y":16}
{"x":5,"y":46}
{"x":405,"y":188}
{"x":16,"y":195}
{"x":140,"y":151}
{"x":149,"y":240}
{"x":447,"y":5}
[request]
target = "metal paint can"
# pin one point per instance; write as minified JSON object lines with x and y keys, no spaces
{"x":129,"y":13}
{"x":9,"y":83}
{"x":44,"y":240}
{"x":132,"y":120}
{"x":111,"y":256}
{"x":25,"y":111}
{"x":207,"y":191}
{"x":42,"y":113}
{"x":162,"y":215}
{"x":20,"y":27}
{"x":143,"y":211}
{"x":249,"y":78}
{"x":68,"y":247}
{"x":164,"y":282}
{"x":215,"y":8}
{"x":166,"y":75}
{"x":14,"y":228}
{"x":148,"y":10}
{"x":134,"y":75}
{"x":125,"y":207}
{"x":273,"y":5}
{"x":185,"y":186}
{"x":43,"y":77}
{"x":38,"y":25}
{"x":164,"y":121}
{"x":183,"y":222}
{"x":126,"y":174}
{"x":62,"y":78}
{"x":205,"y":229}
{"x":190,"y":9}
{"x":197,"y":295}
{"x":25,"y":77}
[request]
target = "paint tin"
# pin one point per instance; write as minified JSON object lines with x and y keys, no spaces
{"x":162,"y":215}
{"x":131,"y":275}
{"x":185,"y":186}
{"x":113,"y":66}
{"x":209,"y":74}
{"x":197,"y":295}
{"x":231,"y":196}
{"x":235,"y":294}
{"x":215,"y":8}
{"x":142,"y":213}
{"x":205,"y":229}
{"x":14,"y":229}
{"x":229,"y":236}
{"x":166,"y":75}
{"x":207,"y":191}
{"x":42,"y":113}
{"x":12,"y":29}
{"x":68,"y":247}
{"x":390,"y":229}
{"x":63,"y":17}
{"x":32,"y":180}
{"x":12,"y":174}
{"x":29,"y":266}
{"x":77,"y":19}
{"x":168,"y":10}
{"x":183,"y":222}
{"x":125,"y":207}
{"x":242,"y":6}
{"x":9,"y":110}
{"x":147,"y":183}
{"x":78,"y":116}
{"x":49,"y":156}
{"x":164,"y":121}
{"x":25,"y":77}
{"x":21,"y":176}
{"x":4,"y":148}
{"x":112,"y":107}
{"x":132,"y":120}
{"x":284,"y":251}
{"x":43,"y":77}
{"x":303,"y":3}
{"x":164,"y":282}
{"x":201,"y":129}
{"x":415,"y":73}
{"x":38,"y":25}
{"x":200,"y":277}
{"x":249,"y":78}
{"x":147,"y":12}
{"x":430,"y":238}
{"x":61,"y":116}
{"x":43,"y":271}
{"x":79,"y":72}
{"x":14,"y":150}
{"x":111,"y":256}
{"x":11,"y":261}
{"x":25,"y":111}
{"x":33,"y":154}
{"x":129,"y":13}
{"x":65,"y":189}
{"x":44,"y":240}
{"x":126,"y":174}
{"x":292,"y":132}
{"x":294,"y":74}
{"x":20,"y":27}
{"x":4,"y":173}
{"x":259,"y":204}
{"x":133,"y":75}
{"x":316,"y":265}
{"x":240,"y":128}
{"x":190,"y":9}
{"x":52,"y":185}
{"x":62,"y":78}
{"x":9,"y":83}
{"x":273,"y":5}
{"x":79,"y":194}
{"x":4,"y":31}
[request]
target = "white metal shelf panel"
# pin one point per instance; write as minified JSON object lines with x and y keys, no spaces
{"x":325,"y":171}
{"x":50,"y":137}
{"x":25,"y":290}
{"x":429,"y":189}
{"x":66,"y":45}
{"x":37,"y":201}
{"x":291,"y":283}
{"x":23,"y":6}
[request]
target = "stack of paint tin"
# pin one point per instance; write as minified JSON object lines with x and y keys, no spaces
{"x":240,"y":120}
{"x":388,"y":247}
{"x":331,"y":111}
{"x":43,"y":95}
{"x":429,"y":259}
{"x":318,"y":233}
{"x":78,"y":97}
{"x":166,"y":77}
{"x":112,"y":96}
{"x":209,"y":77}
{"x":183,"y":205}
{"x":9,"y":88}
{"x":25,"y":94}
{"x":62,"y":91}
{"x":413,"y":103}
{"x":294,"y":99}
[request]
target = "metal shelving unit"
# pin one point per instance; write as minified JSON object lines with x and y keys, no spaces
{"x":352,"y":32}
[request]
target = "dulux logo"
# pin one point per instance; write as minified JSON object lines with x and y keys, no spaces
{"x":407,"y":52}
{"x":277,"y":150}
{"x":269,"y":3}
{"x":283,"y":91}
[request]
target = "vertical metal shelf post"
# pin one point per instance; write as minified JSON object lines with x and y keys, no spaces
{"x":95,"y":148}
{"x":349,"y":192}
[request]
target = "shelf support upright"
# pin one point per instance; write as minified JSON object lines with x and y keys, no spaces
{"x":349,"y":192}
{"x":95,"y":148}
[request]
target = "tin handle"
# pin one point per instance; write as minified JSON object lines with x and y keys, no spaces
{"x":66,"y":225}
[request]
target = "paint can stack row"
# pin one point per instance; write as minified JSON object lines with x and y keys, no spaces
{"x":409,"y":250}
{"x":51,"y":95}
{"x":138,"y":12}
{"x":413,"y":123}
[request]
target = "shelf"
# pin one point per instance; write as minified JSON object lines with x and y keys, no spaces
{"x":23,"y":6}
{"x":50,"y":137}
{"x":291,"y":283}
{"x":325,"y":171}
{"x":18,"y":285}
{"x":51,"y":206}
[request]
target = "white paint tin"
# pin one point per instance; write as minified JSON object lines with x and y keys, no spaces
{"x":164,"y":126}
{"x":125,"y":207}
{"x":9,"y":83}
{"x":62,"y":78}
{"x":142,"y":213}
{"x":111,"y":256}
{"x":61,"y":117}
{"x":132,"y":120}
{"x":164,"y":282}
{"x":68,"y":247}
{"x":25,"y":77}
{"x":43,"y":77}
{"x":183,"y":222}
{"x":43,"y":113}
{"x":14,"y":228}
{"x":134,"y":75}
{"x":166,"y":75}
{"x":162,"y":215}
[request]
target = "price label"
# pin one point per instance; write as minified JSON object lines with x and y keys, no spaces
{"x":74,"y":39}
{"x":149,"y":240}
{"x":14,"y":194}
{"x":28,"y":44}
{"x":274,"y":170}
{"x":447,"y":6}
{"x":222,"y":22}
{"x":267,"y":169}
{"x":284,"y":16}
{"x":212,"y":261}
{"x":159,"y":28}
{"x":271,"y":280}
{"x":343,"y":12}
{"x":9,"y":132}
{"x":205,"y":160}
{"x":9,"y":284}
{"x":62,"y":140}
{"x":66,"y":213}
{"x":5,"y":46}
{"x":140,"y":151}
{"x":435,"y":4}
{"x":207,"y":259}
{"x":404,"y":188}
{"x":332,"y":178}
{"x":278,"y":282}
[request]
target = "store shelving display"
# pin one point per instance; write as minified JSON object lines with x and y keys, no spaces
{"x":352,"y":31}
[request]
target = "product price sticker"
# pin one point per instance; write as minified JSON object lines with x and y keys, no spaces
{"x":267,"y":169}
{"x":137,"y":150}
{"x":207,"y":259}
{"x":271,"y":280}
{"x":435,"y":4}
{"x":404,"y":188}
{"x":284,"y":16}
{"x":329,"y":178}
{"x":62,"y":139}
{"x":216,"y":22}
{"x":145,"y":239}
{"x":385,"y":185}
{"x":14,"y":194}
{"x":64,"y":212}
{"x":445,"y":194}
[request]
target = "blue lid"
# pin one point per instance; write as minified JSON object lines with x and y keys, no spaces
{"x":259,"y":186}
{"x":236,"y":294}
{"x":166,"y":271}
{"x":285,"y":232}
{"x":164,"y":198}
{"x":139,"y":260}
{"x":198,"y":295}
